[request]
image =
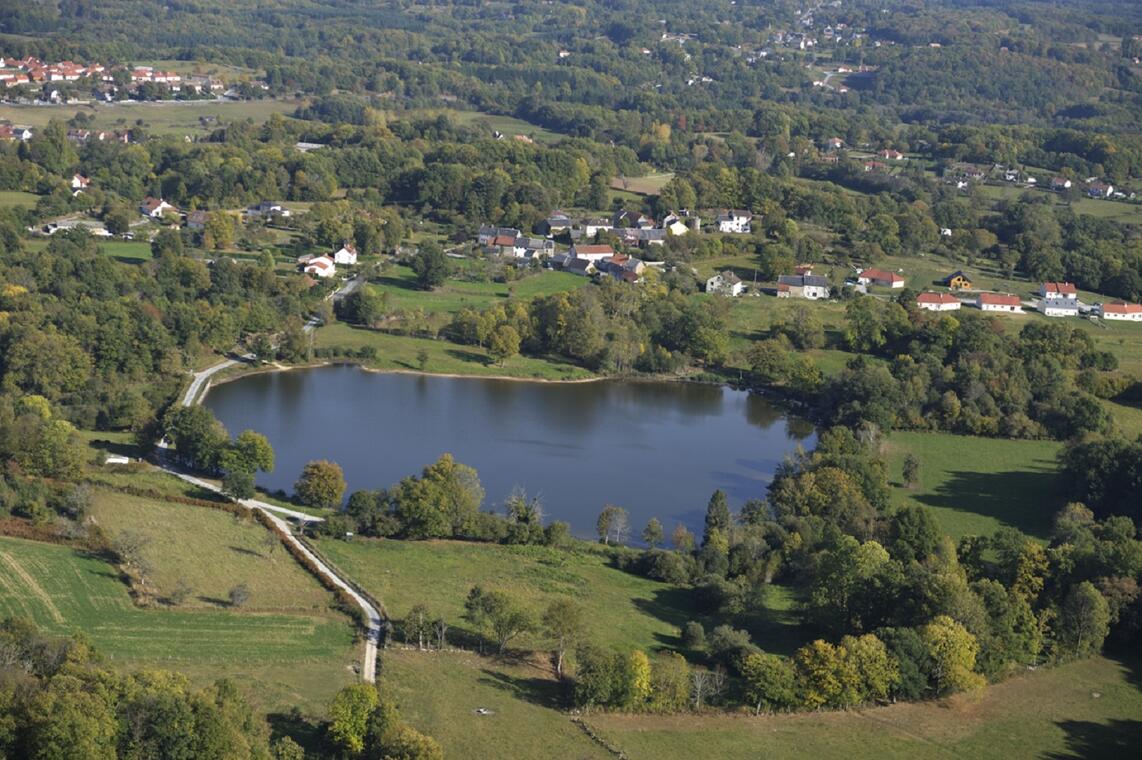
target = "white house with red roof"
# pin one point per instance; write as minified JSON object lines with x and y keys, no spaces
{"x":322,"y":267}
{"x":155,"y":208}
{"x":1121,"y":310}
{"x":938,"y":301}
{"x":1057,"y":290}
{"x":79,"y":182}
{"x":1004,"y":302}
{"x":346,"y":255}
{"x":891,"y":155}
{"x":881,"y":277}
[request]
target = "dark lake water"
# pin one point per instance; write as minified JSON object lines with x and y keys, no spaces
{"x":656,"y":449}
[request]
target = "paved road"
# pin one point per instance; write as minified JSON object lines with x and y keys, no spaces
{"x":275,"y":513}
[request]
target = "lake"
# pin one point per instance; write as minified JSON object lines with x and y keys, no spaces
{"x":657,"y":449}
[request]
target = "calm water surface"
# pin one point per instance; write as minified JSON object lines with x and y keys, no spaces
{"x":656,"y":449}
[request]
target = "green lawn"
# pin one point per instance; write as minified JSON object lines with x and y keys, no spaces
{"x":399,"y":285}
{"x":401,"y":352}
{"x":1085,"y":709}
{"x":160,"y":118}
{"x":127,"y":251}
{"x":625,"y":609}
{"x":64,"y":590}
{"x":508,"y":125}
{"x":975,"y":485}
{"x":651,"y":184}
{"x":439,"y":694}
{"x":13,"y":198}
{"x":212,"y":552}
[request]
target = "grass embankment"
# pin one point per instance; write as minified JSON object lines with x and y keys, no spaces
{"x":1085,"y":709}
{"x":976,"y":485}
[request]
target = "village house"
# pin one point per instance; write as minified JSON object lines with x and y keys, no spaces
{"x":938,"y":302}
{"x":623,"y":267}
{"x":651,"y":237}
{"x":999,"y":302}
{"x":8,"y":132}
{"x":1058,"y":184}
{"x":487,"y":235}
{"x":532,"y":248}
{"x":891,"y":155}
{"x":1059,"y":290}
{"x":1100,"y":190}
{"x":592,"y":227}
{"x":874,"y":167}
{"x":881,"y":277}
{"x":555,"y":224}
{"x":321,"y":266}
{"x":1121,"y":310}
{"x":584,"y":267}
{"x":957,"y":281}
{"x":196,"y":220}
{"x":592,"y":253}
{"x":346,"y":255}
{"x":268,"y":209}
{"x":79,"y":182}
{"x":1059,"y":307}
{"x":155,"y":208}
{"x":735,"y":221}
{"x":725,"y":284}
{"x":808,"y":286}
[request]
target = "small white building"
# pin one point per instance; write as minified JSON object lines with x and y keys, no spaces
{"x":1059,"y":307}
{"x":938,"y":302}
{"x":725,"y":284}
{"x":322,"y":267}
{"x":592,"y":253}
{"x":1004,"y":302}
{"x":735,"y":221}
{"x":346,"y":255}
{"x":79,"y":182}
{"x":1121,"y":310}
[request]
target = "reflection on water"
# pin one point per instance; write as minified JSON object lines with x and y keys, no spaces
{"x":657,"y":449}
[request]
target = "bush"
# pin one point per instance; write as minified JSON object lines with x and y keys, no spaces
{"x":693,"y":635}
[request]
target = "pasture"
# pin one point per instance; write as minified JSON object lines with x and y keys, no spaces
{"x":164,"y":117}
{"x":66,"y":591}
{"x":210,"y":552}
{"x":976,"y":485}
{"x":651,"y":184}
{"x":17,"y":199}
{"x":1083,"y":709}
{"x":398,"y":285}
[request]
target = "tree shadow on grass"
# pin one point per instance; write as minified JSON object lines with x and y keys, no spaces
{"x":398,"y":283}
{"x":543,"y":692}
{"x":468,"y":356}
{"x":111,"y":447}
{"x":1087,"y":739}
{"x":247,"y":552}
{"x":300,"y":728}
{"x":1025,"y":499}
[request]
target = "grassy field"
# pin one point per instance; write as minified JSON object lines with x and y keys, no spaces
{"x":1085,"y":709}
{"x":508,"y":125}
{"x":64,"y":591}
{"x":626,"y":609}
{"x":1119,"y":211}
{"x":975,"y":485}
{"x":160,"y":118}
{"x":14,"y":198}
{"x":399,"y":285}
{"x":127,"y":251}
{"x":212,"y":552}
{"x":401,"y":352}
{"x":651,"y":184}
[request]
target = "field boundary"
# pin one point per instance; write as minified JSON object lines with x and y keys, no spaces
{"x":35,"y":588}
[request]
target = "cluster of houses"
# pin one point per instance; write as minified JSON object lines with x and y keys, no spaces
{"x":590,"y":260}
{"x":1056,"y":299}
{"x":326,"y":265}
{"x":19,"y":71}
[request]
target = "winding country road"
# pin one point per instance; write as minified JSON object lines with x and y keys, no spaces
{"x":276,"y":514}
